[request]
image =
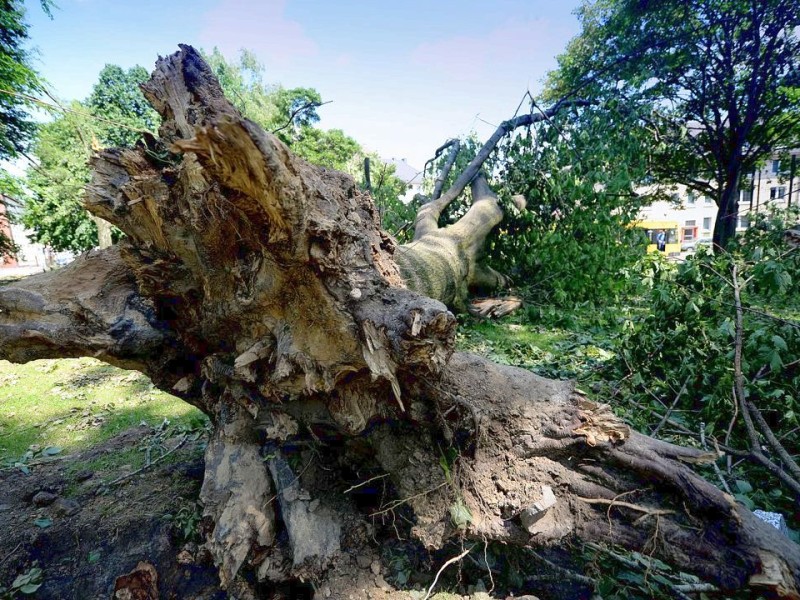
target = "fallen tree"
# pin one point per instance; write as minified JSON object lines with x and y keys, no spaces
{"x":261,"y":289}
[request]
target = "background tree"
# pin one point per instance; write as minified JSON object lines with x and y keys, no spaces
{"x":115,"y":114}
{"x":20,"y":84}
{"x":20,"y":81}
{"x":705,"y":83}
{"x":291,"y":114}
{"x":272,"y":106}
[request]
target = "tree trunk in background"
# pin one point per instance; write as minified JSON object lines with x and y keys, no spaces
{"x":728,"y":211}
{"x":103,"y":232}
{"x":262,"y":290}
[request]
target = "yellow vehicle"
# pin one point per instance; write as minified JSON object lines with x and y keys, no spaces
{"x":667,"y":231}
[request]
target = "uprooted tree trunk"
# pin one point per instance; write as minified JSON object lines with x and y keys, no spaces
{"x":261,"y":289}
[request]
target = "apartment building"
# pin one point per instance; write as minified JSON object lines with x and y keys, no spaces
{"x":775,"y":184}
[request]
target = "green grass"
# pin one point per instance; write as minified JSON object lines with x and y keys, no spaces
{"x":547,"y":350}
{"x":73,"y":404}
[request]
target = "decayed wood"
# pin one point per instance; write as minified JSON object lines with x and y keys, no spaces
{"x":262,"y":289}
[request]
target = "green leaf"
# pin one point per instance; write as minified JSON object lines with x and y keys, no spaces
{"x":52,"y":450}
{"x":745,"y":501}
{"x":779,"y":342}
{"x":743,"y":486}
{"x":636,"y":578}
{"x":30,"y":588}
{"x":460,"y":515}
{"x":44,"y":523}
{"x":93,"y":557}
{"x":23,"y":467}
{"x":775,"y":361}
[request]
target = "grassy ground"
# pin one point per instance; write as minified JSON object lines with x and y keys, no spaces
{"x":569,"y":350}
{"x":51,"y":408}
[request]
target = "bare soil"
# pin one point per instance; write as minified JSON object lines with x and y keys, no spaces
{"x":99,"y":533}
{"x":96,"y":533}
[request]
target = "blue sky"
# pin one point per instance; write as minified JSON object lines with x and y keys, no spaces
{"x":402,"y":76}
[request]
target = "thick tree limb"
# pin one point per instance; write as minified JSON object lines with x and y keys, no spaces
{"x":428,"y":216}
{"x":89,"y":308}
{"x":444,"y":263}
{"x":448,"y":166}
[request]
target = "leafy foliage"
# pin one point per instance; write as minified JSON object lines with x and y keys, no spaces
{"x":115,"y":114}
{"x":707,"y":84}
{"x":687,"y":342}
{"x":387,"y":190}
{"x":20,"y":81}
{"x":573,"y":242}
{"x":27,"y":583}
{"x":117,"y":100}
{"x":283,"y":111}
{"x":53,"y":212}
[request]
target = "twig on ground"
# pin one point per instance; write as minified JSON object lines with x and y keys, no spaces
{"x":773,"y":441}
{"x":714,"y":464}
{"x":696,"y":588}
{"x":566,"y":573}
{"x":10,"y":554}
{"x":730,"y":427}
{"x":147,"y":466}
{"x":402,"y":501}
{"x":671,"y":408}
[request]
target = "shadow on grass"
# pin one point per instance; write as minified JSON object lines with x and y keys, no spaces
{"x":79,"y":406}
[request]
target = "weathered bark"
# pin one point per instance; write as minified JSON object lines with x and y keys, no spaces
{"x":261,"y":289}
{"x":103,"y":232}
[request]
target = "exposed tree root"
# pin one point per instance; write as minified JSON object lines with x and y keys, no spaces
{"x":261,"y":289}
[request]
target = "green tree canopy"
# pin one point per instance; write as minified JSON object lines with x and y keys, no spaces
{"x":116,"y":99}
{"x":115,"y":114}
{"x":20,"y":83}
{"x":706,"y":84}
{"x":277,"y":109}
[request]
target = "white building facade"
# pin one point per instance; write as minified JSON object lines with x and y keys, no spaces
{"x":772,"y":185}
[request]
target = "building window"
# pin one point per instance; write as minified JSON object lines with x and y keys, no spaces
{"x":744,"y":222}
{"x":747,"y":196}
{"x":707,"y":223}
{"x":690,"y":223}
{"x":690,"y":197}
{"x":776,"y":166}
{"x":777,"y":193}
{"x":707,"y":200}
